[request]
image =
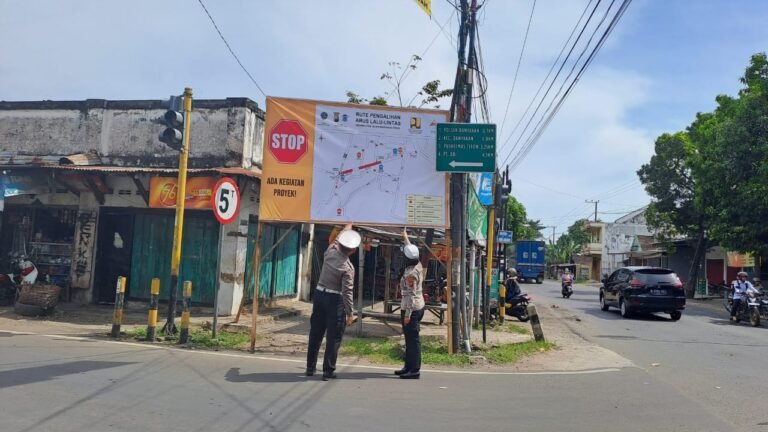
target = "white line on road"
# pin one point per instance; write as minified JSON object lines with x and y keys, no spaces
{"x":302,"y":361}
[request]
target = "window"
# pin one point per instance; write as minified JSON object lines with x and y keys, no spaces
{"x":656,"y":276}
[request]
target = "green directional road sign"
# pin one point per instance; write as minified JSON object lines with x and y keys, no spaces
{"x":466,"y":147}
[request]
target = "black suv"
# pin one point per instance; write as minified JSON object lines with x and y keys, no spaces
{"x":643,"y":289}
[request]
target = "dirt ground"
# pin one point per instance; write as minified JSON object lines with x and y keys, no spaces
{"x":283,"y":330}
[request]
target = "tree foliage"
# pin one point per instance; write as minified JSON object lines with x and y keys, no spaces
{"x":517,"y":221}
{"x":569,"y":243}
{"x":710,"y":182}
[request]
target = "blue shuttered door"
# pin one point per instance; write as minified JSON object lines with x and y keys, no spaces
{"x":151,"y":256}
{"x":277,"y":275}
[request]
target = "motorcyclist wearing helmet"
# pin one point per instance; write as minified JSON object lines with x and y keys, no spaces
{"x":741,"y":287}
{"x":567,"y":278}
{"x":511,"y":285}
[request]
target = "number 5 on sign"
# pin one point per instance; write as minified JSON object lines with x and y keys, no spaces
{"x":226,"y":200}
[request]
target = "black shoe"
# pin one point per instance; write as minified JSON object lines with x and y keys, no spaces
{"x":309,"y":372}
{"x":401,"y":371}
{"x":327,"y":376}
{"x":410,"y":375}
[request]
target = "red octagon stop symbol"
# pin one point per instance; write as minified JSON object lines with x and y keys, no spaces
{"x":288,"y":141}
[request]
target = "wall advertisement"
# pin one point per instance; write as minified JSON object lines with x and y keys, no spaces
{"x":162,"y":192}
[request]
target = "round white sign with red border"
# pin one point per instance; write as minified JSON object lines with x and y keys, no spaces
{"x":226,"y":200}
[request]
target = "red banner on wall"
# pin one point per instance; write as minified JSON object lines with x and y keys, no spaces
{"x":163,"y":190}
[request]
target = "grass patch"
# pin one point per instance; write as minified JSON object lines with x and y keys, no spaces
{"x":511,"y":353}
{"x":378,"y":350}
{"x":434,"y":351}
{"x":224,"y":339}
{"x":199,"y":338}
{"x":507,"y":327}
{"x":137,"y":333}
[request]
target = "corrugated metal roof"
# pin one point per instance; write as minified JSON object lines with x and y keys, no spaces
{"x":255,"y":172}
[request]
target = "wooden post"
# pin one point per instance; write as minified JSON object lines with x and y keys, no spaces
{"x":449,"y":293}
{"x":387,"y":278}
{"x":360,"y":278}
{"x":257,"y":262}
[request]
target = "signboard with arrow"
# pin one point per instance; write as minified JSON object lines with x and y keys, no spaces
{"x":466,"y":147}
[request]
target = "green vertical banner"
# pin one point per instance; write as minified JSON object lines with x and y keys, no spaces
{"x":477,"y":217}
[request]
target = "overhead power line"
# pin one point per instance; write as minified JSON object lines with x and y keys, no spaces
{"x":242,"y":66}
{"x":551,"y":69}
{"x":517,"y":69}
{"x":537,"y":133}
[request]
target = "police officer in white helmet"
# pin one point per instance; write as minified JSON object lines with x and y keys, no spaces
{"x":332,"y":302}
{"x":411,"y":309}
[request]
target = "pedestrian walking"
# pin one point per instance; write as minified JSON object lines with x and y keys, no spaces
{"x":332,"y":302}
{"x":411,"y":309}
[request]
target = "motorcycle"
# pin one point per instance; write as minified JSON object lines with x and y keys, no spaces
{"x":567,"y":289}
{"x":517,"y":306}
{"x":11,"y":282}
{"x":753,"y":307}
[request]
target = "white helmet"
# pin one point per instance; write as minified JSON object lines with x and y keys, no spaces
{"x":350,"y":239}
{"x":411,"y":251}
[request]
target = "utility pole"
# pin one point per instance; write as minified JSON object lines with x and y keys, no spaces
{"x":595,"y":203}
{"x":460,"y":112}
{"x":553,"y":232}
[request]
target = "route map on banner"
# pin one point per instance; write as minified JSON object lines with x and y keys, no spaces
{"x":328,"y":162}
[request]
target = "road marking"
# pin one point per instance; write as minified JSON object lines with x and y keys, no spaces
{"x":303,"y":361}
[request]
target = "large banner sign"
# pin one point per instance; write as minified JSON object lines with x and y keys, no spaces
{"x":331,"y":162}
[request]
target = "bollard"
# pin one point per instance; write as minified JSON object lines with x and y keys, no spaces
{"x":502,"y":302}
{"x":538,"y":333}
{"x":117,"y":320}
{"x":186,"y":298}
{"x":154,"y":296}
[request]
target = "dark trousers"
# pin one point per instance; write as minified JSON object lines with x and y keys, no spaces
{"x":329,"y":320}
{"x":412,"y":341}
{"x":735,"y":307}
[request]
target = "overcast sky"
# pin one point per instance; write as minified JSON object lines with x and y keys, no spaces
{"x":665,"y":62}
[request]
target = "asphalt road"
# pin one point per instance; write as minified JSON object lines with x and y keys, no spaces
{"x":720,"y":366}
{"x":55,"y":383}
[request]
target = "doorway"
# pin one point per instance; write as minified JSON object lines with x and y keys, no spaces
{"x":114,"y":253}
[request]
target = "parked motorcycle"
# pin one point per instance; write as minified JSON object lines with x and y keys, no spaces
{"x":753,"y":308}
{"x":517,"y":306}
{"x":567,"y":289}
{"x":10,"y":283}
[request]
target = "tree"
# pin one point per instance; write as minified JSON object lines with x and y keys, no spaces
{"x":396,"y":76}
{"x":711,"y":181}
{"x":676,"y":210}
{"x":569,"y":243}
{"x":578,"y":234}
{"x":733,"y":152}
{"x":517,"y":221}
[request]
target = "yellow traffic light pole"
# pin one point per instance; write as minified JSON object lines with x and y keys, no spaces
{"x":491,"y":245}
{"x":178,"y":228}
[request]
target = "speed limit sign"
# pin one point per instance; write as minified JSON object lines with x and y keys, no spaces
{"x":226,"y":200}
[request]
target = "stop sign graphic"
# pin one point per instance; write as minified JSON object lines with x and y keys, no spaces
{"x":288,"y":141}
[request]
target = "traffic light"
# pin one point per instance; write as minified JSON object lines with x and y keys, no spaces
{"x":503,"y":189}
{"x":173,"y":135}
